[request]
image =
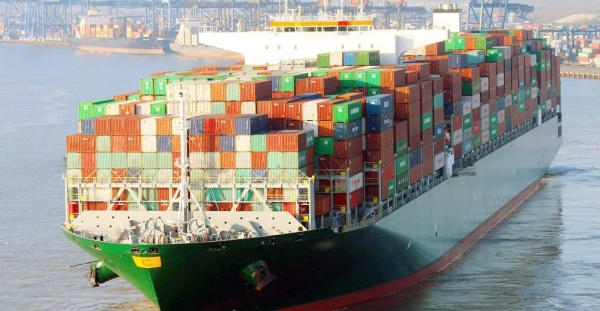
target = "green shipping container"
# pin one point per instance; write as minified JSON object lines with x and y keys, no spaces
{"x":528,"y":92}
{"x":196,"y":176}
{"x":467,"y":121}
{"x":160,"y":85}
{"x":134,"y":97}
{"x":325,"y":145}
{"x":158,"y":109}
{"x":245,"y":198}
{"x":401,"y":181}
{"x":86,"y":108}
{"x":521,"y":95}
{"x":402,"y":164}
{"x":360,"y":78}
{"x":460,"y":43}
{"x":450,"y":45}
{"x":147,"y":86}
{"x":494,"y":55}
{"x":164,"y":160}
{"x":493,"y":132}
{"x":476,"y":141}
{"x":323,"y":60}
{"x":217,"y":107}
{"x":475,"y":57}
{"x":438,"y":101}
{"x":102,"y":143}
{"x":274,"y":160}
{"x":426,"y":120}
{"x":515,"y":98}
{"x":276,"y":207}
{"x":260,"y":78}
{"x":287,"y":83}
{"x":471,"y":88}
{"x":484,"y":43}
{"x":258,"y":143}
{"x":534,"y":82}
{"x":118,"y":160}
{"x":534,"y":113}
{"x":149,"y":174}
{"x":467,"y":146}
{"x":100,"y":110}
{"x":103,"y":159}
{"x":347,"y":111}
{"x":367,"y":58}
{"x":73,"y":160}
{"x":494,"y":119}
{"x":149,"y":160}
{"x":401,"y":147}
{"x":374,"y":78}
{"x":319,"y":73}
{"x":374,"y":91}
{"x":243,"y":175}
{"x":521,"y":107}
{"x":293,"y":159}
{"x":347,"y":79}
{"x":391,"y":188}
{"x":103,"y":175}
{"x":134,"y":160}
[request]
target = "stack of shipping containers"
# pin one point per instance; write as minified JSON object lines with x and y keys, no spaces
{"x":365,"y":132}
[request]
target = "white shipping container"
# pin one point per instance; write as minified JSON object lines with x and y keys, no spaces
{"x":243,"y":143}
{"x":501,"y":116}
{"x":203,"y":92}
{"x":534,"y":92}
{"x":533,"y":60}
{"x":485,"y":123}
{"x":149,"y":143}
{"x":211,"y":176}
{"x":500,"y":79}
{"x":508,"y":101}
{"x":243,"y":159}
{"x":438,"y":161}
{"x":466,"y":104}
{"x":176,"y":125}
{"x":457,"y":137}
{"x":95,"y":194}
{"x":227,"y":176}
{"x":548,"y":104}
{"x":165,"y":174}
{"x":148,"y":126}
{"x":73,"y":174}
{"x":248,"y":107}
{"x":212,"y":160}
{"x":290,"y":194}
{"x":112,"y":109}
{"x":143,"y":109}
{"x":485,"y":136}
{"x":485,"y":111}
{"x":311,"y":126}
{"x":196,"y":159}
{"x":203,"y":107}
{"x":485,"y":84}
{"x":336,"y":58}
{"x":310,"y":109}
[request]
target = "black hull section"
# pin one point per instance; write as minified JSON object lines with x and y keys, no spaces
{"x":151,"y":45}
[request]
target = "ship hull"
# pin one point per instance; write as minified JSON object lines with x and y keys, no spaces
{"x":320,"y":269}
{"x":204,"y":52}
{"x":150,"y":45}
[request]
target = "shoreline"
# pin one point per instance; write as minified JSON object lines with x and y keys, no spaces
{"x":580,"y":72}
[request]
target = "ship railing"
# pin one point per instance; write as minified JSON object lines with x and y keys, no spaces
{"x":317,"y":18}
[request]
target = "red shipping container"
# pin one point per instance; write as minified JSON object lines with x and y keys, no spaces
{"x":451,"y":80}
{"x":322,"y":204}
{"x":427,"y":136}
{"x":427,"y":105}
{"x":164,"y":125}
{"x":347,"y":148}
{"x":438,"y":146}
{"x":457,"y":122}
{"x":73,"y":207}
{"x":282,"y":95}
{"x":118,"y":143}
{"x":452,"y":95}
{"x":468,"y":74}
{"x":414,"y":126}
{"x":205,"y":143}
{"x":423,"y":68}
{"x":438,"y":65}
{"x":103,"y":125}
{"x":293,"y":124}
{"x":391,"y":78}
{"x":377,"y":141}
{"x":386,"y":156}
{"x":175,"y":143}
{"x":310,"y":170}
{"x":433,"y":49}
{"x":218,"y":91}
{"x":427,"y":167}
{"x":293,"y":110}
{"x":412,"y":76}
{"x":458,"y":151}
{"x":226,"y":125}
{"x":426,"y":88}
{"x":372,"y":192}
{"x":95,"y":206}
{"x":476,"y":127}
{"x":427,"y":150}
{"x":437,"y":85}
{"x":438,"y":115}
{"x":487,"y":70}
{"x":233,"y":107}
{"x":400,"y":130}
{"x":291,"y":141}
{"x":408,"y":94}
{"x":88,"y":160}
{"x":133,"y":125}
{"x":407,"y":111}
{"x":501,"y":128}
{"x":273,"y":108}
{"x":415,"y":174}
{"x":323,"y":85}
{"x":343,"y":202}
{"x":350,"y":96}
{"x":127,"y":109}
{"x":81,"y":143}
{"x":414,"y":141}
{"x":351,"y":166}
{"x":277,"y":124}
{"x":476,"y":113}
{"x":255,"y":90}
{"x":325,"y":128}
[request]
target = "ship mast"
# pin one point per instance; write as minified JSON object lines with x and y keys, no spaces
{"x":183,"y":186}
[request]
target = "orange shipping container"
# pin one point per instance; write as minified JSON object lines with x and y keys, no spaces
{"x":293,"y":110}
{"x":227,"y":160}
{"x":218,"y":91}
{"x":259,"y":160}
{"x":325,"y":108}
{"x":408,"y":94}
{"x":227,"y":125}
{"x":292,"y":141}
{"x":118,"y":125}
{"x":127,"y":109}
{"x":134,"y":144}
{"x":233,"y":107}
{"x":391,"y":78}
{"x":88,"y":160}
{"x":424,"y":69}
{"x":118,"y":143}
{"x":175,"y":143}
{"x":255,"y":90}
{"x":133,"y":125}
{"x":119,"y":175}
{"x":103,"y":125}
{"x":164,"y":125}
{"x":325,"y":128}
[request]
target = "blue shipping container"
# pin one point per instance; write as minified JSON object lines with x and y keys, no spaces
{"x":501,"y":103}
{"x":258,"y":174}
{"x":197,"y":125}
{"x":251,"y":124}
{"x":416,"y":157}
{"x":438,"y":130}
{"x":349,"y":58}
{"x":348,"y":131}
{"x":274,"y":82}
{"x":379,"y":104}
{"x":88,"y":126}
{"x":458,"y":60}
{"x":227,"y":143}
{"x":163,"y":143}
{"x":380,"y":123}
{"x":310,"y":96}
{"x":453,"y":109}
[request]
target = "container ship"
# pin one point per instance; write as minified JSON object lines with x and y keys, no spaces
{"x":99,"y":33}
{"x":250,"y":187}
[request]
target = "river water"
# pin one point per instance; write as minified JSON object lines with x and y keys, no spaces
{"x":545,"y":256}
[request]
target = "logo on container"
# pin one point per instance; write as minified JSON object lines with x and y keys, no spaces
{"x":354,"y":110}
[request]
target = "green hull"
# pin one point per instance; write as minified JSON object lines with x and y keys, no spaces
{"x":326,"y":270}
